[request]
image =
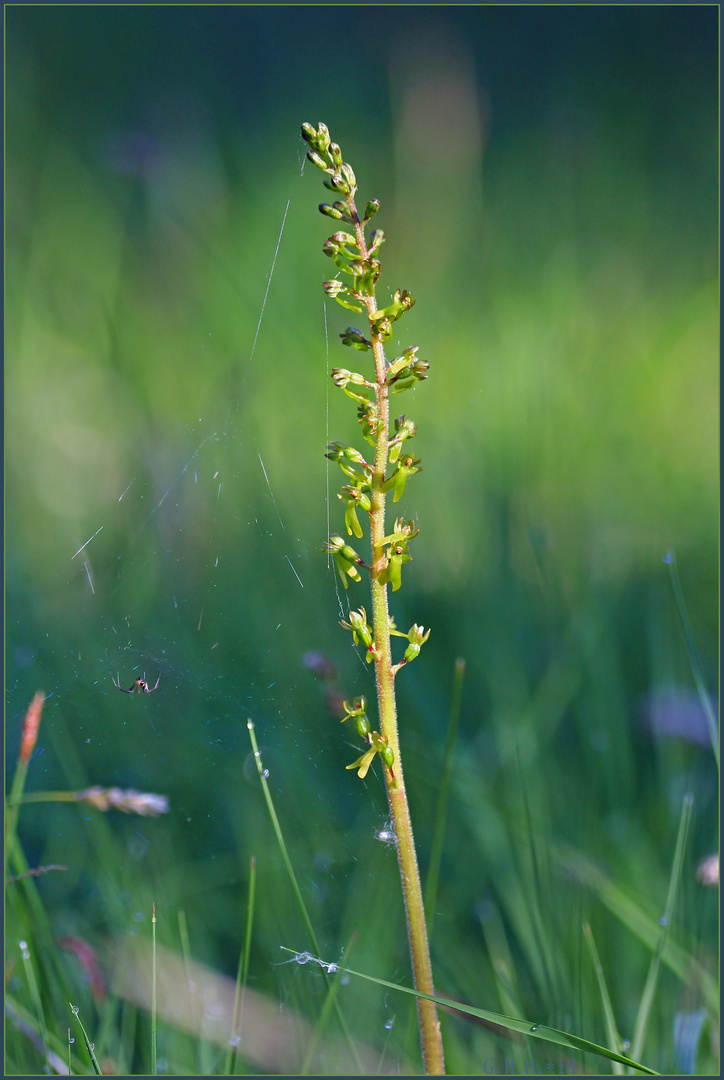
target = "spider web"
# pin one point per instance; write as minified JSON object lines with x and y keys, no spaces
{"x":203,"y":574}
{"x":216,"y":588}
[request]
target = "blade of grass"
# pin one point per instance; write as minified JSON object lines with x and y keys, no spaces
{"x":538,"y":1031}
{"x":75,"y":1009}
{"x":294,"y":883}
{"x":614,"y":1039}
{"x":153,"y":990}
{"x":24,"y":901}
{"x":241,"y":977}
{"x":34,"y":993}
{"x":25,"y":1022}
{"x":652,"y":979}
{"x":185,"y":948}
{"x":203,"y":1052}
{"x":503,"y":969}
{"x":632,"y":914}
{"x":433,"y":870}
{"x":127,"y":1041}
{"x":326,"y":1010}
{"x":711,"y":721}
{"x":532,"y":875}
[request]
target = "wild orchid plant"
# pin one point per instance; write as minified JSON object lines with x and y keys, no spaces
{"x":357,"y":260}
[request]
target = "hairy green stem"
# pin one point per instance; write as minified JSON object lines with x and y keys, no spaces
{"x":430,"y":1038}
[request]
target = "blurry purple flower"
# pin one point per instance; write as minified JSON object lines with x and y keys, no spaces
{"x":134,"y":153}
{"x":707,"y":872}
{"x":319,"y":665}
{"x":674,"y":713}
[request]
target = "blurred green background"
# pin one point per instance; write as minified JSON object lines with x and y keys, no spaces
{"x":549,"y":185}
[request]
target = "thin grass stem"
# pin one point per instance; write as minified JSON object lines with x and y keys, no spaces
{"x":12,"y":805}
{"x":614,"y":1039}
{"x":241,"y":977}
{"x":34,"y":994}
{"x":652,"y":979}
{"x":153,"y":991}
{"x":88,"y":1044}
{"x":294,"y":883}
{"x":28,"y":739}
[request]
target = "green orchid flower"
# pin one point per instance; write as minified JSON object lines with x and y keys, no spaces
{"x":346,"y":558}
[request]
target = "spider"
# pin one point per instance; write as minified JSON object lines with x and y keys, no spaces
{"x":140,"y":686}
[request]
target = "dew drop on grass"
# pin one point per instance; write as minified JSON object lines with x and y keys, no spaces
{"x":265,"y":774}
{"x":625,"y":1045}
{"x":664,"y":920}
{"x":235,"y":1041}
{"x":535,"y":1027}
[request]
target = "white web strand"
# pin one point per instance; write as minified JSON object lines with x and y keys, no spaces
{"x":175,"y":481}
{"x":266,"y":293}
{"x":86,"y":543}
{"x":271,"y":493}
{"x":294,"y":571}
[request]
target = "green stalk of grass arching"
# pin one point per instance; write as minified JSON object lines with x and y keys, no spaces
{"x":524,"y":1027}
{"x":153,"y":990}
{"x":652,"y":979}
{"x":438,"y":833}
{"x":295,"y":884}
{"x":75,"y":1009}
{"x":242,"y":973}
{"x":614,"y":1039}
{"x":704,"y":698}
{"x":356,"y":258}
